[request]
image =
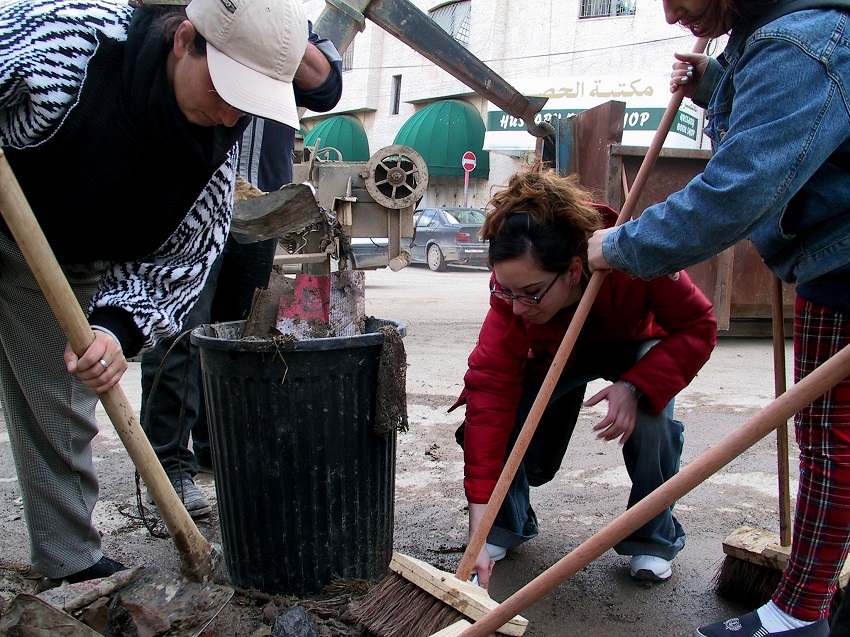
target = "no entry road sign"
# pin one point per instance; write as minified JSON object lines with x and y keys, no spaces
{"x":468,"y":161}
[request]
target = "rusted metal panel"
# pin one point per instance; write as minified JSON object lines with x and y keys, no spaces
{"x":595,"y":131}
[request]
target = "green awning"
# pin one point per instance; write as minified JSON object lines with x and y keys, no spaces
{"x":442,"y":132}
{"x":343,"y":132}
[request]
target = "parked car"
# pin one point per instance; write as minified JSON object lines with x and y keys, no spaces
{"x":371,"y":253}
{"x":444,"y":235}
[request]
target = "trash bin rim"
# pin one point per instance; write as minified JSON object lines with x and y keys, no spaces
{"x":205,"y":336}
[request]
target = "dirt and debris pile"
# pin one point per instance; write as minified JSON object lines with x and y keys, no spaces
{"x":110,"y":608}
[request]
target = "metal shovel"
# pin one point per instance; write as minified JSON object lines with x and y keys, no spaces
{"x":199,"y":558}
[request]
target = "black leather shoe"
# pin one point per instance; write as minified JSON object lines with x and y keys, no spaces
{"x":103,"y":568}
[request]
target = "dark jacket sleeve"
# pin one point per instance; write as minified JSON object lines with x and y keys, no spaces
{"x":326,"y":96}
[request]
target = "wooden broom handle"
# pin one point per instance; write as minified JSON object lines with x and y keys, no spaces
{"x":778,"y":321}
{"x":827,"y":375}
{"x":199,"y":560}
{"x":479,"y":537}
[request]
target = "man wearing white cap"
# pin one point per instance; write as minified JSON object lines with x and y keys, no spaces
{"x":121,"y":126}
{"x":256,"y":82}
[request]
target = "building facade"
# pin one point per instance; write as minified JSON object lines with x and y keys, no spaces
{"x":576,"y":53}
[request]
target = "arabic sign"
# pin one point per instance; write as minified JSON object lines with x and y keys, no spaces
{"x":607,"y":88}
{"x":646,"y":99}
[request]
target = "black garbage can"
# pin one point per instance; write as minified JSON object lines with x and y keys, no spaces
{"x":305,"y":487}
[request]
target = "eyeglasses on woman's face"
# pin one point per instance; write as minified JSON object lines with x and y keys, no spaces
{"x":525,"y":299}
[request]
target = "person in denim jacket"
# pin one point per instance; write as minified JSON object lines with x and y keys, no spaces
{"x":777,"y":103}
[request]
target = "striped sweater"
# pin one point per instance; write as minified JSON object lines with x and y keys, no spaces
{"x":45,"y":50}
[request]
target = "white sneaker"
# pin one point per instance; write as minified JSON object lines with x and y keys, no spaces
{"x":496,"y":552}
{"x":650,"y":568}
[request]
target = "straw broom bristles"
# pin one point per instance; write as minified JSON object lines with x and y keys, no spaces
{"x":398,"y":608}
{"x":744,"y":582}
{"x":418,"y":600}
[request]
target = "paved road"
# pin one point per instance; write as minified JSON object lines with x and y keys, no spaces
{"x":443,"y":312}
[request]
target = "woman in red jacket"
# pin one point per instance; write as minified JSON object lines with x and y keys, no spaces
{"x":649,"y":338}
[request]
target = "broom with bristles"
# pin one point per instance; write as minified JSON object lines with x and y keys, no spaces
{"x":416,"y":599}
{"x":755,"y":558}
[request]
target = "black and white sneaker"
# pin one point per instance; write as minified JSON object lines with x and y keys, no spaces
{"x":749,"y":625}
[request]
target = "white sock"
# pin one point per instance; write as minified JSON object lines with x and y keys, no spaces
{"x":775,"y":620}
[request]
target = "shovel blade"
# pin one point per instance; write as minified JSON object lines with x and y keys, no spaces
{"x":158,"y":595}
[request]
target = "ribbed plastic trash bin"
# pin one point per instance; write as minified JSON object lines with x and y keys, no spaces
{"x":305,"y":487}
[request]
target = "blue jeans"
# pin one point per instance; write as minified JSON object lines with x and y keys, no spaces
{"x":652,"y":455}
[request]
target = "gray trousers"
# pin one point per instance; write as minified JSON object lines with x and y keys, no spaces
{"x":50,"y":418}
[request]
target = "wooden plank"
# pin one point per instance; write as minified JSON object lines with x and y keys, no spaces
{"x":452,"y":631}
{"x":756,"y":546}
{"x":313,"y":257}
{"x":291,"y":209}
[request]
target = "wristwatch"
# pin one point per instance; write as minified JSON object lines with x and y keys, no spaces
{"x":638,"y":394}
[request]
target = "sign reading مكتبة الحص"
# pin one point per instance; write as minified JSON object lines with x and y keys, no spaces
{"x":646,"y":99}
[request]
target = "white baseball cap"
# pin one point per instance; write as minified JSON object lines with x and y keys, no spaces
{"x":254,"y":48}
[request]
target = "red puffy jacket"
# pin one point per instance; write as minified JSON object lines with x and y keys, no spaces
{"x":670,"y":308}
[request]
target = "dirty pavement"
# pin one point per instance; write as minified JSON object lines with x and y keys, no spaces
{"x":443,"y":312}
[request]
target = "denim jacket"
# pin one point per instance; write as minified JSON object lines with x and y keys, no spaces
{"x":779,"y":121}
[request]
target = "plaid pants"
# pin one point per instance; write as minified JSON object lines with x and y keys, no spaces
{"x":821,"y":536}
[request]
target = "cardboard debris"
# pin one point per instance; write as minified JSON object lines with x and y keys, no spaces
{"x":29,"y":616}
{"x":324,"y":306}
{"x":262,"y":320}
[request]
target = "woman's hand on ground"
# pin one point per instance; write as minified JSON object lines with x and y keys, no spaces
{"x":619,"y":422}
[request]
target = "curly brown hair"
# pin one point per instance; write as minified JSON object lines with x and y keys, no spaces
{"x":724,"y":16}
{"x":542,"y":214}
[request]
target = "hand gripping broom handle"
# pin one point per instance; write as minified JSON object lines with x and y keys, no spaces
{"x":730,"y":447}
{"x":479,"y":537}
{"x":198,"y":556}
